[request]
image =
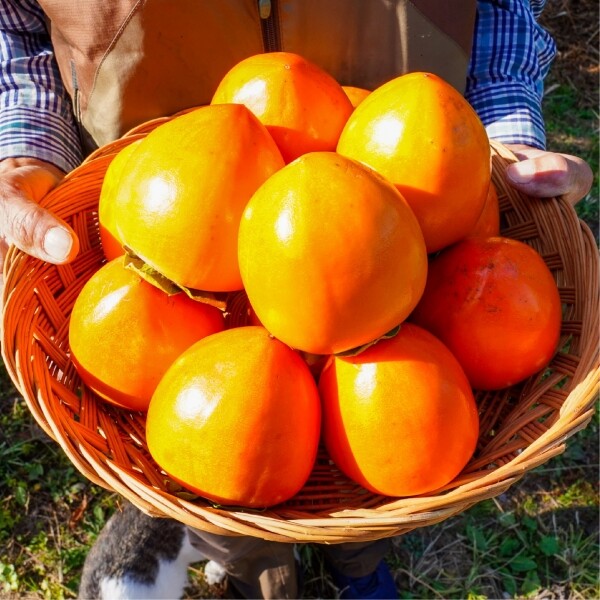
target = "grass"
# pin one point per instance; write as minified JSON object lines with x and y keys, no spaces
{"x":523,"y":544}
{"x":49,"y":514}
{"x":565,"y":123}
{"x":571,"y":99}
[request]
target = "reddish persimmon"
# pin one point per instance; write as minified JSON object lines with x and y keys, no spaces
{"x":495,"y":304}
{"x":488,"y":224}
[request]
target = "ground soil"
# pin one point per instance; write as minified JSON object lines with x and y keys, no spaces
{"x":574,"y":26}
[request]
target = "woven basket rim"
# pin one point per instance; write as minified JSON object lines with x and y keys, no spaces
{"x":38,"y":297}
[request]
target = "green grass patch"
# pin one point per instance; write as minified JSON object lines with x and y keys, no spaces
{"x":49,"y":513}
{"x":498,"y":551}
{"x":573,"y":129}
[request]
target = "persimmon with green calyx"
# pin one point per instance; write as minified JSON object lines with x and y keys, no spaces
{"x":124,"y":333}
{"x":236,"y":419}
{"x":182,"y":192}
{"x":399,"y":418}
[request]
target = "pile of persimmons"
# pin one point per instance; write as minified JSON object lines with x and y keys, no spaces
{"x":361,"y":230}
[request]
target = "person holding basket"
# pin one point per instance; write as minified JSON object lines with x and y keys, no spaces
{"x":75,"y":77}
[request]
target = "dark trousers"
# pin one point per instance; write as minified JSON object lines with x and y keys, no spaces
{"x":262,"y":569}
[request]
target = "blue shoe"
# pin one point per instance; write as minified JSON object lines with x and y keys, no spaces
{"x":379,"y":584}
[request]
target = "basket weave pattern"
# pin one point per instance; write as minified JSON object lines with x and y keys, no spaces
{"x":521,"y":427}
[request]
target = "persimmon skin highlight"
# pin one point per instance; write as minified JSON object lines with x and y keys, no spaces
{"x":236,"y":419}
{"x":124,"y":333}
{"x":399,"y":418}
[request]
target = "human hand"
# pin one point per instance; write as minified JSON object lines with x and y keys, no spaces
{"x":33,"y":229}
{"x":546,"y":174}
{"x":36,"y":231}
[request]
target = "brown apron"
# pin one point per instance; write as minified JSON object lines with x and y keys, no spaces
{"x":126,"y":61}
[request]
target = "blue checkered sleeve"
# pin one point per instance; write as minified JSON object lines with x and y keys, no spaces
{"x":36,"y":117}
{"x":511,"y":57}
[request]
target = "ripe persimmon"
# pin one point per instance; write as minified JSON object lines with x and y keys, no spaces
{"x":331,"y":255}
{"x":494,"y":302}
{"x":236,"y":419}
{"x":355,"y":94}
{"x":399,"y":418}
{"x":302,"y":105}
{"x":111,"y":245}
{"x":183,"y":190}
{"x":124,"y":333}
{"x":422,"y":135}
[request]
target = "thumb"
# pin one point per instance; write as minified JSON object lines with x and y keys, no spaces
{"x":24,"y":223}
{"x":548,"y":174}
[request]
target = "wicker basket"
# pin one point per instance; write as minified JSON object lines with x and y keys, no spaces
{"x":521,"y":427}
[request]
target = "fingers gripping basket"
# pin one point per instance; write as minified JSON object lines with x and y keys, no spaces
{"x":521,"y":427}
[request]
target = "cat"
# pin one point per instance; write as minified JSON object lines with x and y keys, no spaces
{"x":138,"y":557}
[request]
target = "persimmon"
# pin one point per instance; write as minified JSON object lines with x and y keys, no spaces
{"x":331,"y":255}
{"x":124,"y":333}
{"x":111,"y":245}
{"x":422,"y":135}
{"x":399,"y":418}
{"x":488,"y":224}
{"x":236,"y":419}
{"x":182,"y":192}
{"x":355,"y":94}
{"x":303,"y":107}
{"x":494,"y":302}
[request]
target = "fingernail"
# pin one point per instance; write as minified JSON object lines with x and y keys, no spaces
{"x":521,"y":172}
{"x":58,"y":243}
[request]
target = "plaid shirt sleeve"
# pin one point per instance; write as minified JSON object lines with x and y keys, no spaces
{"x":511,"y":57}
{"x":36,"y":117}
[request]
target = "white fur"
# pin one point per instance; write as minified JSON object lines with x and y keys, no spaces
{"x":213,"y":572}
{"x":171,"y":578}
